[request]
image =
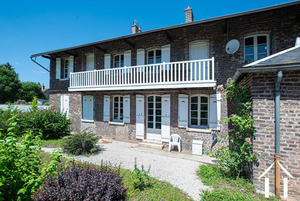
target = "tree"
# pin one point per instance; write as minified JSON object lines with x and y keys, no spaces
{"x":9,"y":83}
{"x":29,"y":90}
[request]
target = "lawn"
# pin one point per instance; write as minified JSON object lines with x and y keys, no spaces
{"x":225,"y":188}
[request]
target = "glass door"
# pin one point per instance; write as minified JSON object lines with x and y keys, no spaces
{"x":154,"y":117}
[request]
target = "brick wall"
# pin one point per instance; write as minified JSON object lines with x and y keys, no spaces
{"x":282,"y":25}
{"x":264,"y":115}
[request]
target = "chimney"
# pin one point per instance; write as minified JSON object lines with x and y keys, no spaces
{"x":189,"y":17}
{"x":134,"y":28}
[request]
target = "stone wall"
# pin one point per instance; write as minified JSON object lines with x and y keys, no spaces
{"x":263,"y":90}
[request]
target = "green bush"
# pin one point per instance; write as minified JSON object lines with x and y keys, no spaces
{"x":52,"y":123}
{"x":20,"y":172}
{"x":139,"y":179}
{"x":5,"y":115}
{"x":81,"y":143}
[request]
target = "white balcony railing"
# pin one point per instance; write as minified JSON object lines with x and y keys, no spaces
{"x":162,"y":74}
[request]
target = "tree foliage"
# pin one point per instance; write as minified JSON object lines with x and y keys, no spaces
{"x":29,"y":90}
{"x":9,"y":83}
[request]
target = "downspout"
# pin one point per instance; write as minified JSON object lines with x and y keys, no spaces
{"x":277,"y":133}
{"x":39,"y":64}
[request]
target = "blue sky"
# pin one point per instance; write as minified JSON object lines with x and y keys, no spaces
{"x":30,"y":27}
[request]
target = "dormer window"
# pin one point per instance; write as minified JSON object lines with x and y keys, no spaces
{"x":256,"y":47}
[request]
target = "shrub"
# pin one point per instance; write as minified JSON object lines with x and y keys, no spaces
{"x":20,"y":174}
{"x":83,"y":182}
{"x":81,"y":143}
{"x":237,"y":158}
{"x":140,"y":179}
{"x":5,"y":115}
{"x":52,"y":123}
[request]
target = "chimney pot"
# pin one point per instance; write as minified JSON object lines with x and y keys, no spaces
{"x":189,"y":17}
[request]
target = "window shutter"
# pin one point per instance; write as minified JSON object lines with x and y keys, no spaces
{"x":90,"y":62}
{"x":67,"y":106}
{"x":127,"y":58}
{"x":61,"y":100}
{"x":165,"y":118}
{"x":107,"y":61}
{"x":140,"y":117}
{"x":214,"y":111}
{"x":58,"y":67}
{"x":71,"y":65}
{"x":106,"y":108}
{"x":183,"y":108}
{"x":165,"y":53}
{"x":140,"y":58}
{"x":84,"y":107}
{"x":90,"y":108}
{"x":126,"y":109}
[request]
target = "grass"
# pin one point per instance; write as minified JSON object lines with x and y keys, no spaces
{"x":52,"y":143}
{"x":156,"y":190}
{"x":225,"y":188}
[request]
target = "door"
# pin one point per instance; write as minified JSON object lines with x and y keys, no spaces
{"x":198,"y":50}
{"x":154,"y":107}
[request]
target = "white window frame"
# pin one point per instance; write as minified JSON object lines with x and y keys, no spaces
{"x":154,"y":55}
{"x":119,"y":108}
{"x":66,"y":70}
{"x":114,"y":61}
{"x":255,"y":45}
{"x":199,"y":111}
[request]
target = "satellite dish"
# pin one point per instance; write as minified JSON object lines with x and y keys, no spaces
{"x":232,"y":46}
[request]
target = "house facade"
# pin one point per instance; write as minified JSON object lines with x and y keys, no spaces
{"x":281,"y":70}
{"x":148,"y":85}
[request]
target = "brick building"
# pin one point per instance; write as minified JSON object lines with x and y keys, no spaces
{"x":261,"y":78}
{"x":148,"y":85}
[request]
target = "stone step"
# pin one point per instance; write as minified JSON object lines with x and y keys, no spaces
{"x":151,"y":145}
{"x":152,"y":141}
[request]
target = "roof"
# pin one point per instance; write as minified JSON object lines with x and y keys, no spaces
{"x":172,"y":27}
{"x":286,"y":57}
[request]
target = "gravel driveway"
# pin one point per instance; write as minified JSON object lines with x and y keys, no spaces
{"x":166,"y":166}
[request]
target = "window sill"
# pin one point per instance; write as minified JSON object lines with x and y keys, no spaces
{"x":199,"y":130}
{"x":116,"y":123}
{"x":64,"y":79}
{"x":87,"y":120}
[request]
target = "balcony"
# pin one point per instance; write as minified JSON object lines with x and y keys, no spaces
{"x":184,"y":74}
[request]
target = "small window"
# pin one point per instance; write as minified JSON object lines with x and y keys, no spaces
{"x":66,"y":69}
{"x":256,"y":47}
{"x":119,"y":60}
{"x":199,"y":111}
{"x":154,"y":56}
{"x":118,"y":108}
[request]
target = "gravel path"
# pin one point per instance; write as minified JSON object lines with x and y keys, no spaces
{"x":179,"y":172}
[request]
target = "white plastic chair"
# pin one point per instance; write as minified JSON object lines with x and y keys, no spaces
{"x":175,"y":140}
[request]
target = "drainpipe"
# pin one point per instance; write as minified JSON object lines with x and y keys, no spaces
{"x":277,"y":133}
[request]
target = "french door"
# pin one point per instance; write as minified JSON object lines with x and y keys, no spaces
{"x":154,"y":112}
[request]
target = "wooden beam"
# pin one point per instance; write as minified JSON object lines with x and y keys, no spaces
{"x":128,"y":42}
{"x":99,"y":48}
{"x":48,"y":57}
{"x":168,"y":36}
{"x":67,"y":52}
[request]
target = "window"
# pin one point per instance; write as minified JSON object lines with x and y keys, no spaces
{"x":119,"y":60}
{"x":256,"y":47}
{"x":154,"y":56}
{"x":199,"y":111}
{"x":88,"y":107}
{"x":118,"y":108}
{"x":66,"y":69}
